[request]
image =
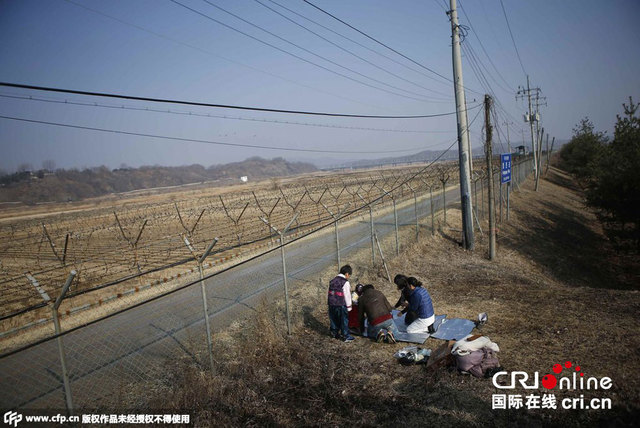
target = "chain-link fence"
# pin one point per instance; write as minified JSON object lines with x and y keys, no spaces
{"x":102,"y":360}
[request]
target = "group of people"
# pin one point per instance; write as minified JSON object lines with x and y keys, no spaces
{"x":415,"y":302}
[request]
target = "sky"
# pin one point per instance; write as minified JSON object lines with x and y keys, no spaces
{"x":582,"y":54}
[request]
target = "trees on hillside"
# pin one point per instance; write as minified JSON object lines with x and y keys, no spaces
{"x":579,"y":156}
{"x":610,"y":171}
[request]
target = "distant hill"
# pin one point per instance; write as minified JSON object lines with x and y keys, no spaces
{"x":426,"y":156}
{"x":73,"y":184}
{"x":423,"y":156}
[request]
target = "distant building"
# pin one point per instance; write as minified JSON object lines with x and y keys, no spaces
{"x":244,"y":178}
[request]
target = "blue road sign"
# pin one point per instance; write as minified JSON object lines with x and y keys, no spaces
{"x":505,"y":176}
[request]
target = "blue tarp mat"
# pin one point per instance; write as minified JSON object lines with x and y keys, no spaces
{"x":446,"y":329}
{"x":453,"y":329}
{"x":402,"y":335}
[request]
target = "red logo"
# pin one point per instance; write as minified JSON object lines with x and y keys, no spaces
{"x":549,"y":381}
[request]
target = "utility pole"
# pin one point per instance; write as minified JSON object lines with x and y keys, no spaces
{"x":540,"y":138}
{"x":506,"y":125}
{"x":539,"y":131}
{"x":463,"y":135}
{"x":522,"y":92}
{"x":549,"y":152}
{"x":489,"y":154}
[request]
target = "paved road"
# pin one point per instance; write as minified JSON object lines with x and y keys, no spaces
{"x":122,"y":352}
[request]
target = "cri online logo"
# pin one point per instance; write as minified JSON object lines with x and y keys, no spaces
{"x":551,"y":381}
{"x":12,"y":418}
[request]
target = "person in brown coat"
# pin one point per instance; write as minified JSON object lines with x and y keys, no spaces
{"x":373,"y":305}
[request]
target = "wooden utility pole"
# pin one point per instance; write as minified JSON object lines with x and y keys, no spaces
{"x":540,"y":138}
{"x":549,"y":151}
{"x":532,"y":117}
{"x":463,"y":134}
{"x":489,"y":154}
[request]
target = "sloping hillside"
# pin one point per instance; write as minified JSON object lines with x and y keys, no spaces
{"x":64,"y":185}
{"x":557,"y":292}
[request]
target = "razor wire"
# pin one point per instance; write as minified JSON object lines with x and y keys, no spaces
{"x":114,"y":357}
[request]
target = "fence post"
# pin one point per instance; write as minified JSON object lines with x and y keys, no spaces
{"x":373,"y":251}
{"x":63,"y":360}
{"x":384,"y":263}
{"x":500,"y":197}
{"x":204,"y":299}
{"x":433,"y":230}
{"x":415,"y":210}
{"x":335,"y":224}
{"x":482,"y":196}
{"x":444,"y":201}
{"x":205,"y":307}
{"x":508,"y":187}
{"x":284,"y":266}
{"x":488,"y":152}
{"x":395,"y":219}
{"x":475,"y":196}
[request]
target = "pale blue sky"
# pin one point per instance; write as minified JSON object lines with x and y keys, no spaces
{"x":583,"y":54}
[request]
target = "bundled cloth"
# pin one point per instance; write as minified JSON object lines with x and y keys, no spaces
{"x":476,"y":355}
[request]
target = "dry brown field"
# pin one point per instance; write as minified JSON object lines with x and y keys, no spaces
{"x":558,"y":291}
{"x":135,"y":242}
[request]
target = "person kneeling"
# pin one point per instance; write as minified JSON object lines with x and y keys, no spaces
{"x":373,"y":305}
{"x":420,"y":303}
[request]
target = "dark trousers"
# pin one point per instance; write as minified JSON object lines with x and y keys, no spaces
{"x":339,"y":320}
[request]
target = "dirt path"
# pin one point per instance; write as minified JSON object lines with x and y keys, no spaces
{"x":557,"y":292}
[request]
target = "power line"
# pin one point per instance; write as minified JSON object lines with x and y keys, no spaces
{"x":294,"y":55}
{"x":512,"y":39}
{"x":243,"y":262}
{"x":345,"y":50}
{"x":146,"y":30}
{"x":193,"y":140}
{"x":311,"y":52}
{"x":382,"y":44}
{"x":475,"y":33}
{"x":476,"y":67}
{"x":200,"y":104}
{"x":361,"y":45}
{"x":190,"y":113}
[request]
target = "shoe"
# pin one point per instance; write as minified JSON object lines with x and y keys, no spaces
{"x":380,"y":337}
{"x":349,"y":339}
{"x":431,"y":329}
{"x":391,"y":338}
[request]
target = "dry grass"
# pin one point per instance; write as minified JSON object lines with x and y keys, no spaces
{"x":99,"y":252}
{"x":557,"y":292}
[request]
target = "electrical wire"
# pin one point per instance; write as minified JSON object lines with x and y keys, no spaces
{"x":348,"y":51}
{"x":232,"y":28}
{"x":361,"y":45}
{"x":206,"y":277}
{"x":200,"y":104}
{"x":512,"y":39}
{"x":475,"y":33}
{"x":386,"y":46}
{"x":190,"y":113}
{"x":196,"y":48}
{"x":194,"y":140}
